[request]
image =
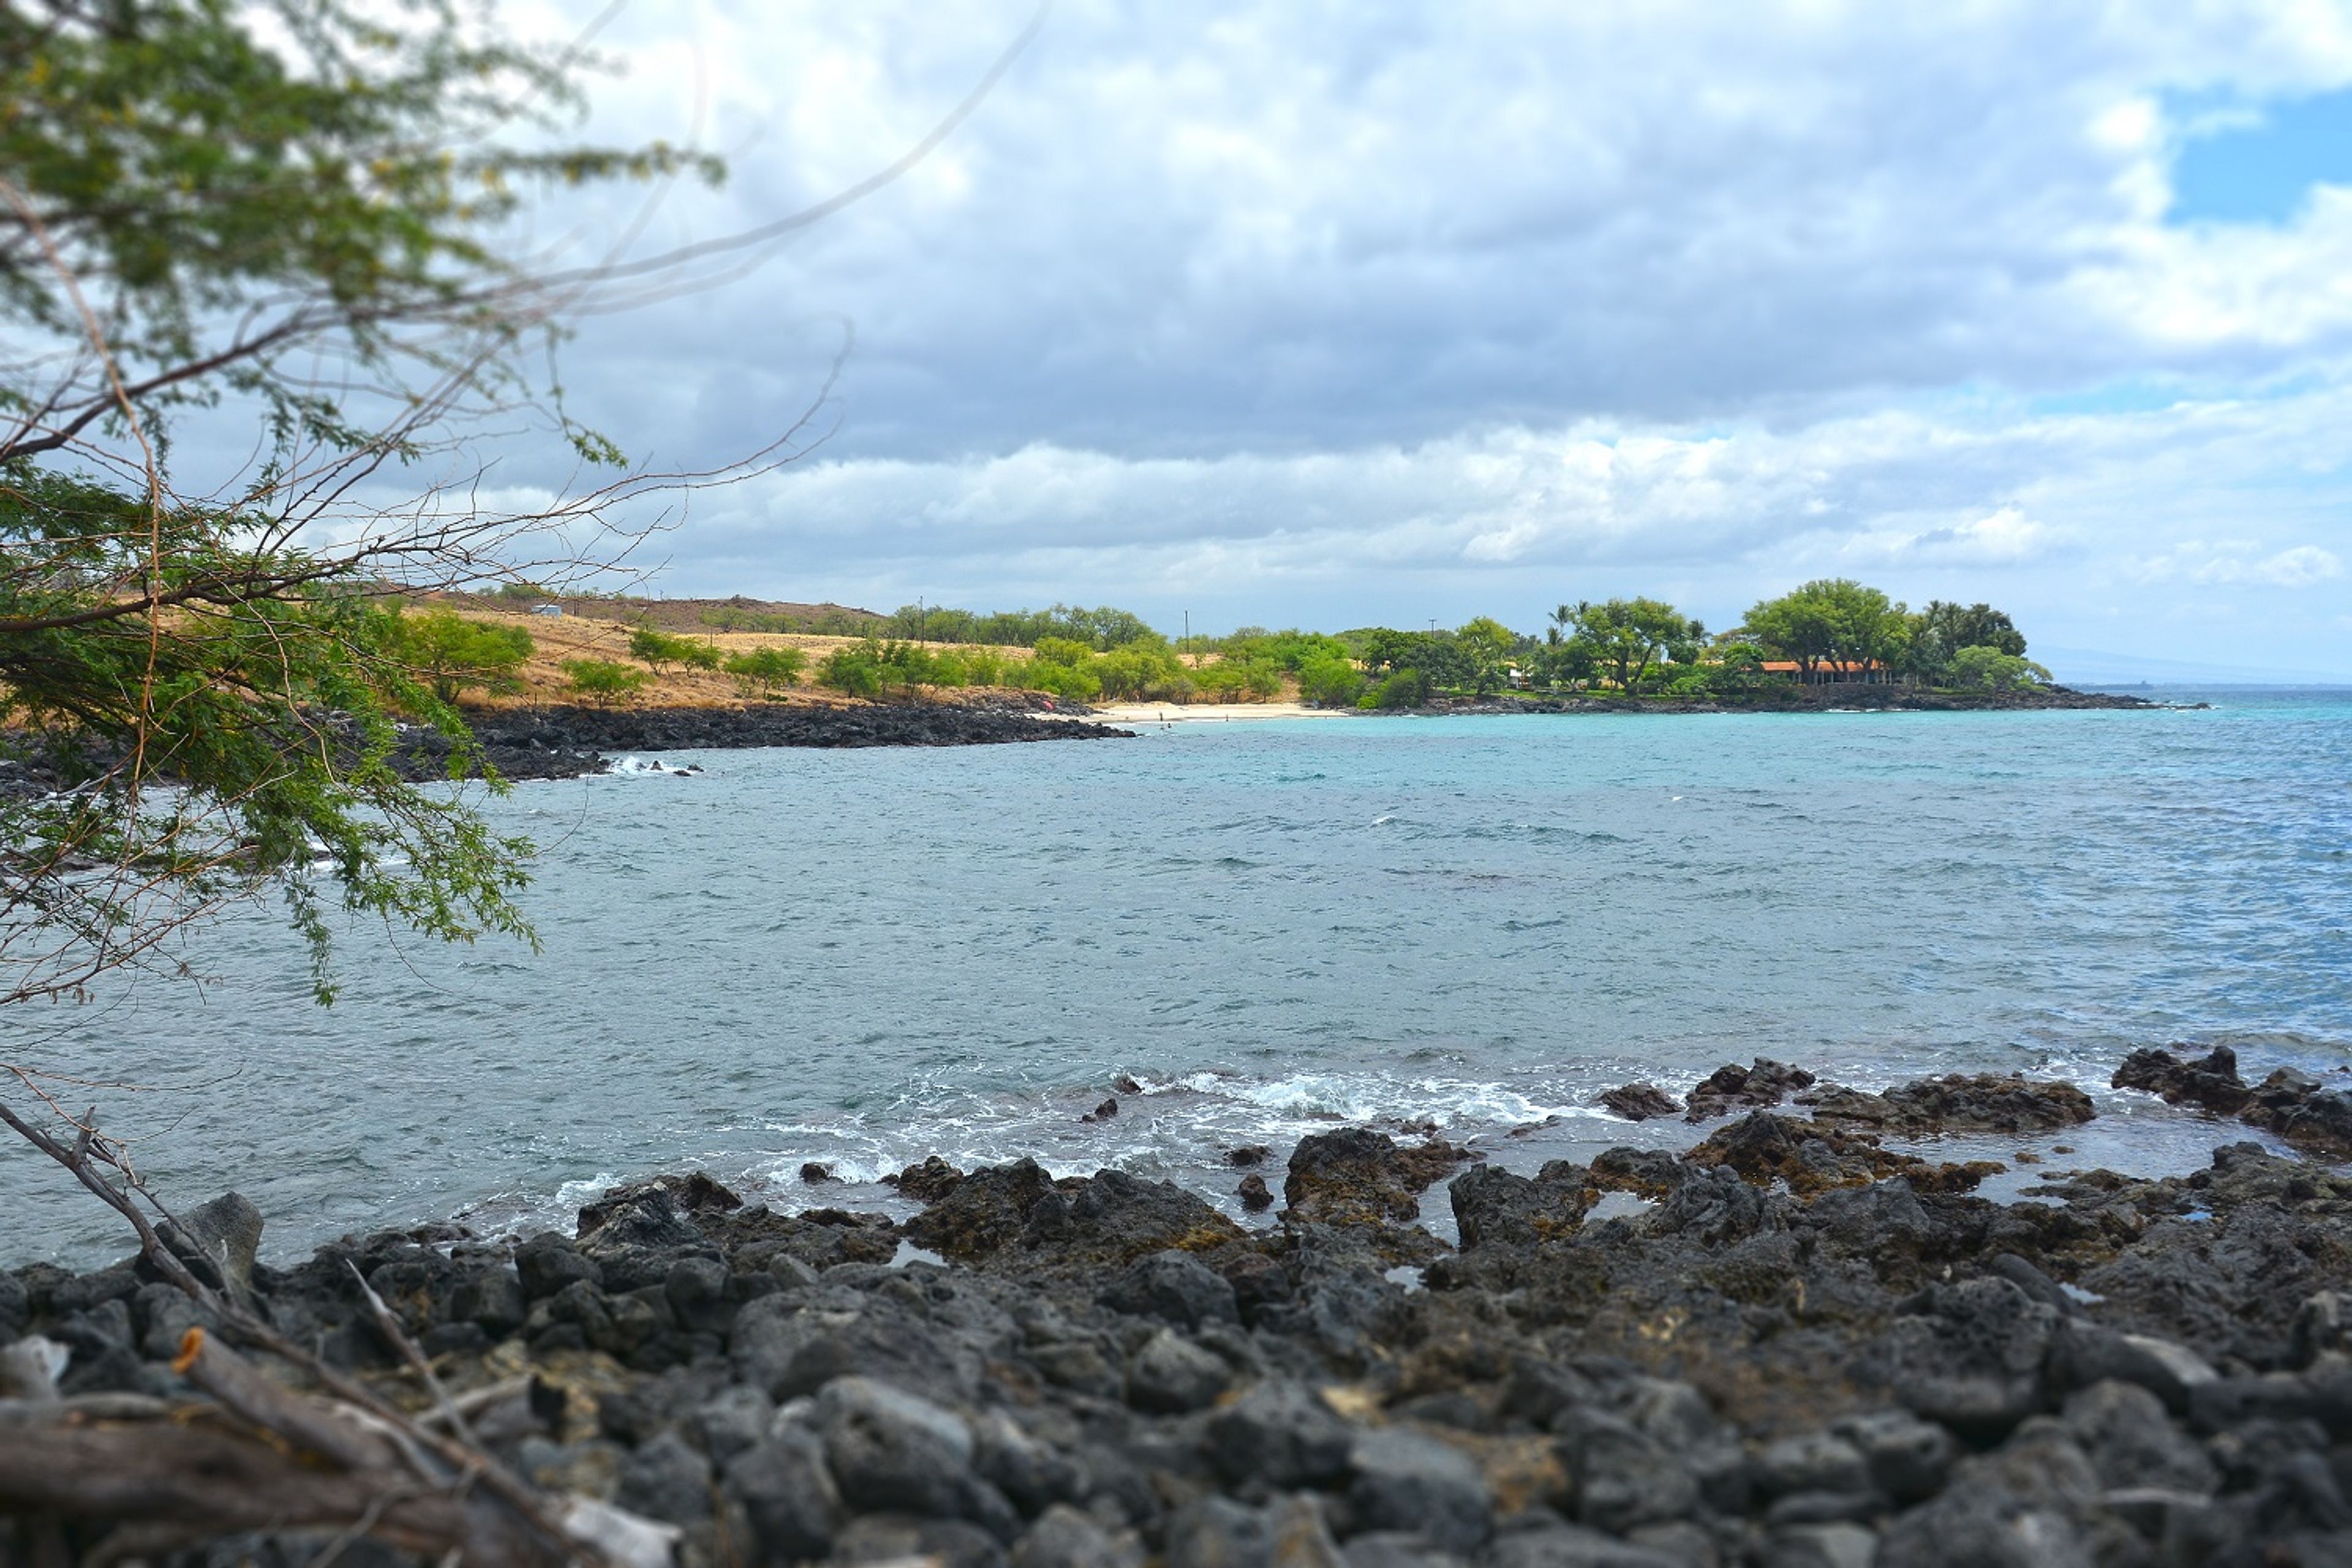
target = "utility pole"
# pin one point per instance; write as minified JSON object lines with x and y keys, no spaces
{"x":1188,"y":637}
{"x":922,"y":618}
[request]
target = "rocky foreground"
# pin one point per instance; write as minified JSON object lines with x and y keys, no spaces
{"x":1789,"y":1347}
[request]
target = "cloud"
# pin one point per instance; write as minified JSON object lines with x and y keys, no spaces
{"x":2235,"y":561}
{"x":1364,"y":303}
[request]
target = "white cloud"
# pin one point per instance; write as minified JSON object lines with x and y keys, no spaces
{"x":1271,"y":295}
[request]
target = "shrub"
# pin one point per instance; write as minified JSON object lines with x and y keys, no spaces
{"x":1405,"y":689}
{"x":1329,"y":681}
{"x":764,"y":670}
{"x":602,"y":681}
{"x":853,"y":670}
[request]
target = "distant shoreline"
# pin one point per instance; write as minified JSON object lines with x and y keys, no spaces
{"x":1795,"y":700}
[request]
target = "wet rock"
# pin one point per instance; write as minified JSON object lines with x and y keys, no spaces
{"x":1494,"y":1205}
{"x":1103,"y":1112}
{"x":1646,"y":1172}
{"x":1407,"y":1482}
{"x":1280,"y":1433}
{"x":1640,"y":1101}
{"x":1174,"y":1286}
{"x":1255,"y":1197}
{"x":926,"y":1183}
{"x":1015,"y":1217}
{"x":16,"y":1306}
{"x":2210,"y":1083}
{"x":1733,"y":1088}
{"x":644,"y":1217}
{"x":1986,"y":1103}
{"x":1353,"y":1176}
{"x":1765,"y":1147}
{"x":815,"y":1171}
{"x":1248,"y":1154}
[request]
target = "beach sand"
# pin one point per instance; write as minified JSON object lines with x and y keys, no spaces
{"x":1135,"y":714}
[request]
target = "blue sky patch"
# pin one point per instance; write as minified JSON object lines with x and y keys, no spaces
{"x":2261,"y":172}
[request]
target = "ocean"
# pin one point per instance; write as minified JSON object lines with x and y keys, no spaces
{"x":860,"y":958}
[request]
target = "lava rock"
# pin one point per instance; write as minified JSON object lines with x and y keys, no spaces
{"x":1170,"y":1374}
{"x":1494,"y":1206}
{"x":1175,"y":1287}
{"x":1281,"y":1434}
{"x":1640,"y":1101}
{"x":1733,"y":1088}
{"x":1406,"y":1481}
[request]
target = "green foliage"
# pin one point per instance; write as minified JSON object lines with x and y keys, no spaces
{"x":1100,"y":630}
{"x":454,"y":655}
{"x":1990,"y":670}
{"x":661,"y":649}
{"x":1406,"y":688}
{"x":602,"y":681}
{"x":525,"y":593}
{"x":1622,"y":638}
{"x":854,"y":670}
{"x":833,"y":622}
{"x":289,"y":209}
{"x":1836,"y":622}
{"x":1331,"y":680}
{"x":762,"y":671}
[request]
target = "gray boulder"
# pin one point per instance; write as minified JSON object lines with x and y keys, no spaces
{"x":1170,"y":1374}
{"x":1280,"y":1433}
{"x":1406,"y":1481}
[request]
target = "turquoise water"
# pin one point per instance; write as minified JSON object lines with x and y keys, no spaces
{"x":863,"y":957}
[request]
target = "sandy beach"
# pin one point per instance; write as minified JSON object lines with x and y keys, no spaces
{"x":1139,"y":714}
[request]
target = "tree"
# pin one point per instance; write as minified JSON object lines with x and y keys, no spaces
{"x":1625,"y":637}
{"x":274,"y":226}
{"x":1331,"y":680}
{"x":661,"y":649}
{"x":1990,"y":670}
{"x":602,"y":681}
{"x":1487,"y":648}
{"x":763,"y":671}
{"x":1834,"y":621}
{"x":854,"y":670}
{"x":454,"y":655}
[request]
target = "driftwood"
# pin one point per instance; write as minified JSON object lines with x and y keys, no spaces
{"x":139,"y":1478}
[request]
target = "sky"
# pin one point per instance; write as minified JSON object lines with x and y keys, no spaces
{"x":1299,"y":312}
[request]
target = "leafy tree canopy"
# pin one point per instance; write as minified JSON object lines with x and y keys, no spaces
{"x":283,"y":210}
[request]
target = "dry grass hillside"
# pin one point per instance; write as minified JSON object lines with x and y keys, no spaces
{"x":557,"y":638}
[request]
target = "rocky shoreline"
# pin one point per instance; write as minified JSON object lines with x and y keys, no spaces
{"x":1838,"y":699}
{"x":566,"y":742}
{"x":1788,"y":1347}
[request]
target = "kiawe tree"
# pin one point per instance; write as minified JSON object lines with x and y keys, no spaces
{"x":1625,"y":638}
{"x":278,"y":227}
